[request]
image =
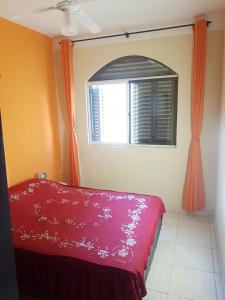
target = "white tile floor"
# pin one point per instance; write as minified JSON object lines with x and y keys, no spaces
{"x":185,"y":266}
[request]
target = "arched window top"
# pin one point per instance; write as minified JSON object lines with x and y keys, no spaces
{"x":131,"y":67}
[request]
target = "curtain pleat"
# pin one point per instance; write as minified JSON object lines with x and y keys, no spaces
{"x":194,"y":193}
{"x":50,"y":277}
{"x":67,"y":65}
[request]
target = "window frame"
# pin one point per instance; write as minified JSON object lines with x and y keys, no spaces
{"x":127,"y":81}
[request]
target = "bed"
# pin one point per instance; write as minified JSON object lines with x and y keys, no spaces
{"x":80,"y":243}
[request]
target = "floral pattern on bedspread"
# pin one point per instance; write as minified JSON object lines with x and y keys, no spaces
{"x":84,"y":223}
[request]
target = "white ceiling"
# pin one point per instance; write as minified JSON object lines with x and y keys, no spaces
{"x":113,"y":16}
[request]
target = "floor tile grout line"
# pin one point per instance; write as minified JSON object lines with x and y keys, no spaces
{"x":171,"y":269}
{"x":171,"y":294}
{"x":194,"y":228}
{"x":194,"y":268}
{"x":183,"y":243}
{"x":203,"y":271}
{"x":180,"y":226}
{"x":187,"y":227}
{"x":186,"y":267}
{"x":213,"y":256}
{"x":175,"y":242}
{"x":214,"y":249}
{"x":160,"y":292}
{"x":220,"y":287}
{"x":191,"y":245}
{"x":181,"y":297}
{"x":210,"y":231}
{"x":217,"y":296}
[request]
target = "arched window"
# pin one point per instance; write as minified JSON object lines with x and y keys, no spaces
{"x":133,"y":100}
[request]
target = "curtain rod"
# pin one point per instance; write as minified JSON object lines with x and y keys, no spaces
{"x":128,"y":34}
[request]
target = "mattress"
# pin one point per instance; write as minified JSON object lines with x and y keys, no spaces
{"x":91,"y":244}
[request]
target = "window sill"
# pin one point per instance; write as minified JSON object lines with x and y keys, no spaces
{"x":130,"y":145}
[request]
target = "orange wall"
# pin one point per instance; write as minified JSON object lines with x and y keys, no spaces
{"x":28,"y":103}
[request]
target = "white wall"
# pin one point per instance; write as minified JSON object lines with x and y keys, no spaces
{"x":220,"y":205}
{"x":146,"y":169}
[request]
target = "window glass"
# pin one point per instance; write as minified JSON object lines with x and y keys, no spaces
{"x":133,"y":110}
{"x":113,"y":113}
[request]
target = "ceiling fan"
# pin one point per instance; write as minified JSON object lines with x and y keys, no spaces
{"x":72,"y":11}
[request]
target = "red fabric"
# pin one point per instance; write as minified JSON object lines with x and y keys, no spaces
{"x":101,"y":227}
{"x":194,"y":192}
{"x":48,"y":277}
{"x":67,"y":65}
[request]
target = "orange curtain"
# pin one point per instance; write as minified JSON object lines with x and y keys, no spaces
{"x":194,"y":193}
{"x":67,"y":64}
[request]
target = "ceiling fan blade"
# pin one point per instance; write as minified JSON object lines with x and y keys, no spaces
{"x":34,"y":11}
{"x":86,"y":1}
{"x":86,"y":21}
{"x":68,"y":24}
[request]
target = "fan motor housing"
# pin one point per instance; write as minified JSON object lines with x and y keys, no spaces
{"x":68,"y":6}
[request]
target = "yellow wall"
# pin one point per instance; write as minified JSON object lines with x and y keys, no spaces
{"x":147,"y":169}
{"x":28,"y":103}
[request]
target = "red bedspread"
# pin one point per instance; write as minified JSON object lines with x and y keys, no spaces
{"x":102,"y":227}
